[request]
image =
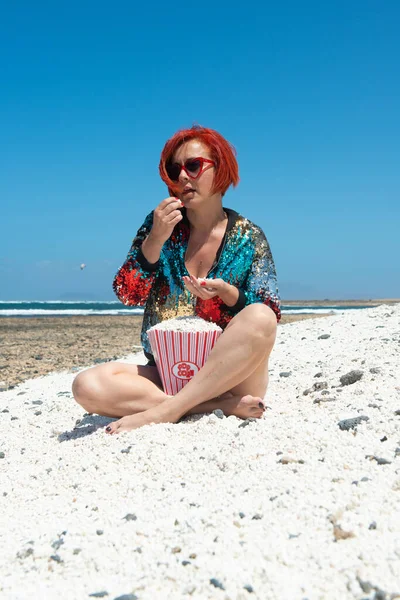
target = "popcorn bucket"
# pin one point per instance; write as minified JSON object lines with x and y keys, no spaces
{"x":179,"y":355}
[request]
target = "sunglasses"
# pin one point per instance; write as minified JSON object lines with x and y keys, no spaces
{"x":193,"y":168}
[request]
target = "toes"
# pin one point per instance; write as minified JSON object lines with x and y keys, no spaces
{"x":113,"y":428}
{"x":257,"y":413}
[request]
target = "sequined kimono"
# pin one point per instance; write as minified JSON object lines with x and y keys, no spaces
{"x":243,"y":259}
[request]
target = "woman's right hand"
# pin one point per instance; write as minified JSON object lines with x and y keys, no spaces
{"x":165,"y":217}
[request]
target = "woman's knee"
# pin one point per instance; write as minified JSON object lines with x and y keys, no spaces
{"x":83,"y":388}
{"x":260,"y":320}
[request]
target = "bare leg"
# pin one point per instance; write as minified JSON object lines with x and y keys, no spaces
{"x":243,"y":349}
{"x":116,"y":389}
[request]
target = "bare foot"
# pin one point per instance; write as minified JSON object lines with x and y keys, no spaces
{"x":157,"y":414}
{"x":244,"y":408}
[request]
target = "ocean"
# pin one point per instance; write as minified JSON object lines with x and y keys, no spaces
{"x":87,"y":308}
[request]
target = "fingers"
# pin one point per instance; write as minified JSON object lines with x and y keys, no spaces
{"x":211,"y":285}
{"x":169,"y":201}
{"x":172,"y":206}
{"x":194,"y":286}
{"x":189,"y":286}
{"x":193,"y":289}
{"x":170,"y":213}
{"x":175,"y":218}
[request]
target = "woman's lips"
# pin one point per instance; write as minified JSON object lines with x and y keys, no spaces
{"x":188,"y":191}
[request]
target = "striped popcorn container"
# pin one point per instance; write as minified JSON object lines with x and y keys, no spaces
{"x":180,"y":348}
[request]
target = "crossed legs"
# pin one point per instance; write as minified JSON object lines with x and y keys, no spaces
{"x":234,"y":378}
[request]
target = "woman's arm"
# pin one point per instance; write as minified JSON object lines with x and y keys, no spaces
{"x":261,"y":283}
{"x":133,"y":281}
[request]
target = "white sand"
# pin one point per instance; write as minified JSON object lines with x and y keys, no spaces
{"x":212,"y":493}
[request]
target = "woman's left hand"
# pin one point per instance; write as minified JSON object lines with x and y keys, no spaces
{"x":209,"y":288}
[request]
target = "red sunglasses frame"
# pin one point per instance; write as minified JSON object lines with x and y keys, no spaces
{"x":202,"y":162}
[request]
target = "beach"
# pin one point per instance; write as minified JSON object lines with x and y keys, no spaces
{"x":301,"y":504}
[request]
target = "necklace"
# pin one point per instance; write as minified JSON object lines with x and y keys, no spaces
{"x":203,"y":242}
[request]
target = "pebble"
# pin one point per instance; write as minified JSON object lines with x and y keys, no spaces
{"x":216,"y":583}
{"x":285,"y":374}
{"x":56,"y":558}
{"x":25,"y":553}
{"x":352,"y":423}
{"x":286,"y":460}
{"x":127,"y":597}
{"x":324,"y":336}
{"x":247,"y":422}
{"x":372,"y":525}
{"x":2,"y":455}
{"x":380,"y":461}
{"x":56,"y":545}
{"x":219,"y":413}
{"x":364,"y":585}
{"x":351,"y":377}
{"x":99,"y":531}
{"x":319,"y":400}
{"x":248,"y":588}
{"x":320,"y":385}
{"x":98,"y":594}
{"x":130,"y":517}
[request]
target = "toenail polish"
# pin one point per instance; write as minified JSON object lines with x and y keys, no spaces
{"x":108,"y":428}
{"x":261,"y":405}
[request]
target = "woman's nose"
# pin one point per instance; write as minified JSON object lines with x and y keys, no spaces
{"x":183,"y":178}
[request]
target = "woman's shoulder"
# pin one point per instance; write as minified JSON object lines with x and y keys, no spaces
{"x":239,"y":223}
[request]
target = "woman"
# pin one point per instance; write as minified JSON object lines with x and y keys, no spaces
{"x":192,"y":256}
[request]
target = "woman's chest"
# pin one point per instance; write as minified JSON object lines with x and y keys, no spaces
{"x":199,"y":261}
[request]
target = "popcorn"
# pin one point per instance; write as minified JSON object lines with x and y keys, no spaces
{"x":181,"y":347}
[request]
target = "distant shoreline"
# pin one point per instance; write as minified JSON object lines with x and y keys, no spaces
{"x":338,"y":303}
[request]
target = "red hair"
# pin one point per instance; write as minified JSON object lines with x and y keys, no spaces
{"x":222,"y":153}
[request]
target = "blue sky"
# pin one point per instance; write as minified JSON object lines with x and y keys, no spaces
{"x":308,"y":92}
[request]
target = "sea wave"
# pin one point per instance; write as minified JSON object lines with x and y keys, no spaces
{"x":60,"y":302}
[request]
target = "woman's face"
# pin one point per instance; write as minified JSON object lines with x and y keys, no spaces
{"x":193,"y":190}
